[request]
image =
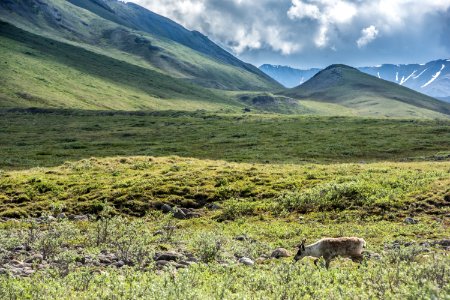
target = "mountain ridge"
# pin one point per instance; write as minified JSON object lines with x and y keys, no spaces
{"x":347,"y":86}
{"x":287,"y":76}
{"x":148,"y":21}
{"x":432,"y":78}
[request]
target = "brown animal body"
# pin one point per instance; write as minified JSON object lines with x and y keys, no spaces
{"x":330,"y":248}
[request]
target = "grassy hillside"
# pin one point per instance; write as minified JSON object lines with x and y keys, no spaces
{"x":367,"y":95}
{"x":137,"y":17}
{"x":49,"y":138}
{"x":88,"y":54}
{"x":41,"y":72}
{"x":143,"y":46}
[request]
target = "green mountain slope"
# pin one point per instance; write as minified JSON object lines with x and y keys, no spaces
{"x":136,"y":17}
{"x":41,"y":72}
{"x":131,"y":33}
{"x":367,"y":95}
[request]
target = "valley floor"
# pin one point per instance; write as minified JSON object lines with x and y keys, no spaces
{"x":46,"y":137}
{"x":174,"y":205}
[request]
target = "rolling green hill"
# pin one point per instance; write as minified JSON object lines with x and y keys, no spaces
{"x":41,"y":72}
{"x":62,"y":55}
{"x":367,"y":95}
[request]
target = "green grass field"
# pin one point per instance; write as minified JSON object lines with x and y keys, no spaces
{"x":274,"y":179}
{"x":406,"y":272}
{"x":33,"y":138}
{"x":138,"y":185}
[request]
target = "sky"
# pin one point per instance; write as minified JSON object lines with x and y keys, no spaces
{"x":317,"y":33}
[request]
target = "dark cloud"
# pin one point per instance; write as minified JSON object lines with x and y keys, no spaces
{"x":306,"y":33}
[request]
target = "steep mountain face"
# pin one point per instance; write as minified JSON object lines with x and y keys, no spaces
{"x":432,"y":79}
{"x":129,"y":32}
{"x":366,"y":94}
{"x":134,"y":16}
{"x":287,"y":76}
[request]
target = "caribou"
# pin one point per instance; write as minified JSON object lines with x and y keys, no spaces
{"x":330,"y":248}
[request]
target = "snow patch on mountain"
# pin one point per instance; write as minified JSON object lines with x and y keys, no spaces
{"x":407,"y":78}
{"x":431,"y":78}
{"x":435,"y":76}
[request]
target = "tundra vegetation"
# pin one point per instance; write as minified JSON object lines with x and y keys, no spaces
{"x":176,"y":205}
{"x":134,"y":201}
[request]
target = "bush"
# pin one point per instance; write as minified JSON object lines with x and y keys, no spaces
{"x":329,"y":197}
{"x":209,"y":247}
{"x":131,"y":241}
{"x":235,"y":209}
{"x":49,"y":241}
{"x":404,"y":254}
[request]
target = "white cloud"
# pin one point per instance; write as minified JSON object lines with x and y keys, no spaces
{"x":246,"y":40}
{"x":300,"y":10}
{"x":276,"y":41}
{"x":321,"y":39}
{"x":294,"y":27}
{"x":324,"y":10}
{"x":367,"y":35}
{"x":340,"y":11}
{"x":328,"y":14}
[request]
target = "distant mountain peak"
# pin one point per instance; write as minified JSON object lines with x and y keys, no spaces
{"x":347,"y":86}
{"x":288,"y":76}
{"x":339,"y":66}
{"x":330,"y":76}
{"x":432,"y":78}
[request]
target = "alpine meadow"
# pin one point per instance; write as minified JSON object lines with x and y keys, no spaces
{"x":142,"y":157}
